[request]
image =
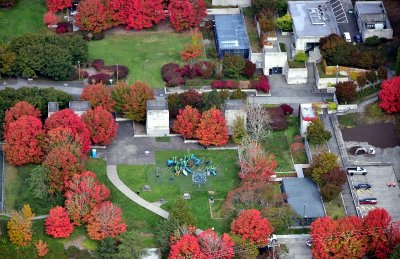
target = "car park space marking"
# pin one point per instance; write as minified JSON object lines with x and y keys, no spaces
{"x":338,"y":11}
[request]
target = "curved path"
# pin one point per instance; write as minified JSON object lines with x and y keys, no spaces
{"x":114,"y":178}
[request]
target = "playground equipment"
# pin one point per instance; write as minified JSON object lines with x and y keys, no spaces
{"x":199,"y":178}
{"x":185,"y":165}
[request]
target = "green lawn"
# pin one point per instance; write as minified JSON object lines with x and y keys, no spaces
{"x":162,"y":187}
{"x":295,"y":64}
{"x":322,"y":74}
{"x":143,"y":53}
{"x":278,"y":143}
{"x":26,"y":16}
{"x":335,"y":208}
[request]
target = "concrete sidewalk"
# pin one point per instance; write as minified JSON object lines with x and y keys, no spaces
{"x":114,"y":178}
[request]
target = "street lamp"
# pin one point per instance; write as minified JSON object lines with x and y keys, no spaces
{"x":117,"y":73}
{"x":304,"y":215}
{"x":337,"y":73}
{"x":111,"y":81}
{"x":79,"y":69}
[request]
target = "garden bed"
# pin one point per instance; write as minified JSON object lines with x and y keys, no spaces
{"x":295,"y":64}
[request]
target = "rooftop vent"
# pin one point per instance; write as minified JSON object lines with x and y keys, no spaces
{"x":317,"y":17}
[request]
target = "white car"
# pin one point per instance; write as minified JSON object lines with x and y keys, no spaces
{"x":347,"y":36}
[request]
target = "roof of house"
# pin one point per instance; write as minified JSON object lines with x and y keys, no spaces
{"x":371,"y":11}
{"x":304,"y":197}
{"x":312,"y":18}
{"x":307,"y":111}
{"x":230,"y":30}
{"x":234,"y":104}
{"x":158,"y":104}
{"x":53,"y":107}
{"x":79,"y":106}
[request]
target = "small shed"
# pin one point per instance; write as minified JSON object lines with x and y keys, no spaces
{"x":231,"y":35}
{"x":79,"y":107}
{"x":307,"y":115}
{"x":305,"y":199}
{"x":232,"y":110}
{"x":52,"y":107}
{"x":157,"y":118}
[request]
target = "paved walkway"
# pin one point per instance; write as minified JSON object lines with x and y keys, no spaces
{"x":114,"y":178}
{"x":34,"y":218}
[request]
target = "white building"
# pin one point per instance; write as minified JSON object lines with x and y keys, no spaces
{"x":232,"y":110}
{"x":312,"y":20}
{"x":52,"y":107}
{"x":307,"y":115}
{"x":274,"y":59}
{"x":157,"y":118}
{"x":79,"y":107}
{"x":373,"y":20}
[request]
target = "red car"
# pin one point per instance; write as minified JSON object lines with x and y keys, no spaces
{"x":367,"y":201}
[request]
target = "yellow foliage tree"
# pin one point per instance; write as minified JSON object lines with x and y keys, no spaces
{"x":20,"y":226}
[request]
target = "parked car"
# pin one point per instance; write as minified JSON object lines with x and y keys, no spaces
{"x":346,"y":36}
{"x":309,"y":243}
{"x":364,"y":186}
{"x":367,"y":201}
{"x":356,"y":170}
{"x":357,"y":38}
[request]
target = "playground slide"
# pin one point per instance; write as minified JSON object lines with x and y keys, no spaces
{"x":170,"y":162}
{"x":196,"y":160}
{"x":184,"y":172}
{"x":185,"y":168}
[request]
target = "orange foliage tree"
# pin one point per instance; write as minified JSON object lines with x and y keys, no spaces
{"x":186,"y":247}
{"x":101,"y":125}
{"x":94,"y":16}
{"x":68,"y":119}
{"x":62,"y":137}
{"x":83,"y":194}
{"x":50,"y":18}
{"x":41,"y":248}
{"x":212,"y":129}
{"x":58,"y":224}
{"x":250,"y":225}
{"x":98,"y":95}
{"x":135,"y":101}
{"x":195,"y":48}
{"x":105,"y":221}
{"x":20,"y":226}
{"x":186,"y":122}
{"x":22,"y":141}
{"x":20,"y":109}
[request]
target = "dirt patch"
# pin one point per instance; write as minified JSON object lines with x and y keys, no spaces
{"x":381,"y":135}
{"x":77,"y":242}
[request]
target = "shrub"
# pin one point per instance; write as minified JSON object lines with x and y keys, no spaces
{"x":238,"y":94}
{"x":99,"y":78}
{"x":276,"y":118}
{"x":7,"y":3}
{"x":361,"y":80}
{"x":287,"y":109}
{"x":372,"y":41}
{"x":261,"y":84}
{"x":298,"y":139}
{"x":98,"y":35}
{"x":175,"y":81}
{"x":371,"y":76}
{"x":84,"y":74}
{"x":224,"y":84}
{"x":207,"y":69}
{"x":382,"y":73}
{"x":233,"y":65}
{"x":64,"y":27}
{"x":249,"y":69}
{"x":169,"y":67}
{"x":267,"y":21}
{"x":192,"y":98}
{"x":191,"y":70}
{"x":98,"y":64}
{"x":297,"y":148}
{"x":301,"y":57}
{"x":346,"y":91}
{"x":123,"y":71}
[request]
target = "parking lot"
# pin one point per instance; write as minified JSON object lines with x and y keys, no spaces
{"x":296,"y":246}
{"x":387,"y":197}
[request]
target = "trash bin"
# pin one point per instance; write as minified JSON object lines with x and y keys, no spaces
{"x":94,"y":153}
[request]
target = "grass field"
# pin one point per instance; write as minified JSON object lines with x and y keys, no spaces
{"x":135,"y":177}
{"x":335,"y":208}
{"x":143,"y":53}
{"x":26,"y":16}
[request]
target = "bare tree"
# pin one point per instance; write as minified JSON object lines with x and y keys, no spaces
{"x":257,"y":122}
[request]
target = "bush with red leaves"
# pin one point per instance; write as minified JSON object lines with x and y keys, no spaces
{"x":98,"y":64}
{"x":262,"y":84}
{"x":64,"y":27}
{"x":169,"y":67}
{"x":276,"y":118}
{"x":122,"y":71}
{"x":287,"y":109}
{"x":224,"y":84}
{"x":249,"y":69}
{"x":99,"y":78}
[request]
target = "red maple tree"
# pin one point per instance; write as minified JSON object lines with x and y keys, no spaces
{"x":68,"y":119}
{"x":135,"y":102}
{"x":94,"y":16}
{"x":105,"y":220}
{"x":20,"y":109}
{"x":50,"y":18}
{"x":83,"y":194}
{"x":98,"y":95}
{"x":57,"y":5}
{"x":212,"y":129}
{"x":140,"y":15}
{"x":342,"y":238}
{"x":61,"y":137}
{"x":382,"y":234}
{"x":58,"y":224}
{"x":187,"y":121}
{"x":185,"y":14}
{"x":186,"y":247}
{"x":62,"y":164}
{"x":255,"y":163}
{"x":389,"y":96}
{"x":101,"y":125}
{"x":214,"y":246}
{"x":250,"y":225}
{"x":22,"y":141}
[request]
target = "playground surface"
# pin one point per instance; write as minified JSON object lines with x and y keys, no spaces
{"x":163,"y":187}
{"x":381,"y":135}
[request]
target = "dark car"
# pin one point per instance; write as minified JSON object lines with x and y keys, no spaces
{"x":364,"y":186}
{"x":309,"y":243}
{"x":367,"y":201}
{"x":357,"y":38}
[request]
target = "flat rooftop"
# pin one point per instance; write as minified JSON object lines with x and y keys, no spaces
{"x":230,"y":31}
{"x":156,"y":105}
{"x":304,"y":197}
{"x":373,"y":7}
{"x":79,"y":106}
{"x":307,"y":111}
{"x":312,"y":18}
{"x":234,"y":104}
{"x":53,"y":107}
